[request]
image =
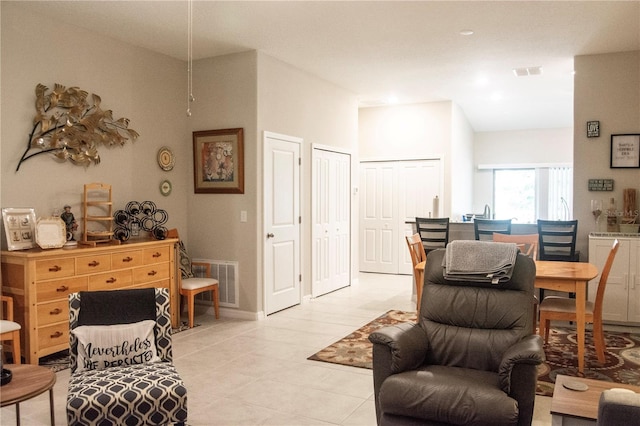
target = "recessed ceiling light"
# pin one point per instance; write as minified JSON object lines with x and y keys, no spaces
{"x":523,"y":72}
{"x":466,"y":32}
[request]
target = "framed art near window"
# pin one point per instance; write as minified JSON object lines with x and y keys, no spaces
{"x":625,"y":151}
{"x":20,"y":228}
{"x":218,"y":161}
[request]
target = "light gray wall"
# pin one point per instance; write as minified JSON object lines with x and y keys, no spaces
{"x":134,"y":83}
{"x":607,"y":89}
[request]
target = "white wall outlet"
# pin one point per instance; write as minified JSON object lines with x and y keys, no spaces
{"x":243,"y":215}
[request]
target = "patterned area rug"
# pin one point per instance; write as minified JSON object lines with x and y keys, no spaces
{"x":60,"y":360}
{"x":622,"y":353}
{"x":355,"y":349}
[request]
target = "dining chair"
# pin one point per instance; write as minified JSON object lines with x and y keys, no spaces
{"x":418,"y":254}
{"x":434,"y":232}
{"x":9,"y":329}
{"x":190,"y":285}
{"x":528,"y":244}
{"x":557,"y":240}
{"x":555,"y":308}
{"x":485,"y":228}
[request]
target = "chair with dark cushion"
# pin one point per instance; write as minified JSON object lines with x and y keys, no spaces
{"x":485,"y":228}
{"x":135,"y":385}
{"x":471,"y":359}
{"x":434,"y":232}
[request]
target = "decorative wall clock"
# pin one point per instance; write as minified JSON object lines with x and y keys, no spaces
{"x":166,"y":159}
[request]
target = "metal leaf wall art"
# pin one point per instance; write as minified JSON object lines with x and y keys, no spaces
{"x":71,"y":127}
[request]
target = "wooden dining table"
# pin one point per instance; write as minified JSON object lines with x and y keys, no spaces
{"x":569,"y":277}
{"x":566,"y":277}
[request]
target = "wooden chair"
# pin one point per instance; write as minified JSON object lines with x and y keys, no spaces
{"x":528,"y":244}
{"x":10,"y":330}
{"x":485,"y":228}
{"x":434,"y":232}
{"x":418,"y":254}
{"x":554,"y":308}
{"x":190,"y":285}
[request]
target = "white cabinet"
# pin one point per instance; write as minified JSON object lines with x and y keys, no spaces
{"x":622,"y":294}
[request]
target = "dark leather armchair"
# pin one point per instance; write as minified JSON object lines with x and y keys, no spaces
{"x":471,"y":359}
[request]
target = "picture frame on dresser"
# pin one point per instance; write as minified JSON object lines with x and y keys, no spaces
{"x":218,"y":161}
{"x":625,"y":151}
{"x":19,"y":228}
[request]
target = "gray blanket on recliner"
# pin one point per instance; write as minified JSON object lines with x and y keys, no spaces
{"x":479,"y":261}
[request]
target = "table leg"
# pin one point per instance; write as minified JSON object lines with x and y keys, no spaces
{"x":18,"y":414}
{"x":51,"y":410}
{"x":581,"y":300}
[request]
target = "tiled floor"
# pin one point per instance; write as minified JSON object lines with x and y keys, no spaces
{"x":257,"y":372}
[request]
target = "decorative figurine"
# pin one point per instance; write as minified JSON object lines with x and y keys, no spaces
{"x":69,"y":221}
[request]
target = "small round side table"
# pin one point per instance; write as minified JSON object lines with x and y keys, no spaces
{"x":28,"y":382}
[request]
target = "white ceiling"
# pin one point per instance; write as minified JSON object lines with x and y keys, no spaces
{"x":411,"y":50}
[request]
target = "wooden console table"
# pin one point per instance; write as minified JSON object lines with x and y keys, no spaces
{"x":40,"y":282}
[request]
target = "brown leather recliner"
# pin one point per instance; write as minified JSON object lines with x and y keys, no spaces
{"x":471,"y":359}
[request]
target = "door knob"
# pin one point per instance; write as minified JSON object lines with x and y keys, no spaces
{"x":270,"y":235}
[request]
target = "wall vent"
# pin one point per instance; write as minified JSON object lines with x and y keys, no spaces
{"x":226,"y":272}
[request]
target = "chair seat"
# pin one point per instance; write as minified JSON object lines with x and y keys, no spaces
{"x":149,"y":394}
{"x":557,"y":304}
{"x":430,"y":392}
{"x":8,"y":326}
{"x":197,"y":283}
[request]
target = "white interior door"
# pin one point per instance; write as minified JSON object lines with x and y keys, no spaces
{"x":391,"y":194}
{"x":331,"y":213}
{"x":282,"y":221}
{"x":379,"y":230}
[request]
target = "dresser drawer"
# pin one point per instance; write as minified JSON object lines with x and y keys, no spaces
{"x":60,"y":289}
{"x":156,"y":255}
{"x":155,"y":284}
{"x":93,"y":264}
{"x":49,"y":269}
{"x":110,"y":280}
{"x":126,"y":259}
{"x":53,"y":335}
{"x":52,"y":312}
{"x":150,"y":273}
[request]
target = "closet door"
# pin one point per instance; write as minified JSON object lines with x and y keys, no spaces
{"x":331,"y":216}
{"x":393,"y":193}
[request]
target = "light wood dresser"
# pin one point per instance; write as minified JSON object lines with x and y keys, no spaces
{"x":40,"y":282}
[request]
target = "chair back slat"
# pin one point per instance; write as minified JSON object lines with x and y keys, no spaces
{"x":485,"y":228}
{"x":434,"y":232}
{"x":557,"y":240}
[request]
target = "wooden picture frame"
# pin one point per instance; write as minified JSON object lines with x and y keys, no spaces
{"x":20,"y":228}
{"x":625,"y":151}
{"x":218,"y":161}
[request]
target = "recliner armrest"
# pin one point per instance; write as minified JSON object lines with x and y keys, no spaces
{"x":407,"y":343}
{"x":527,"y":351}
{"x":618,"y":407}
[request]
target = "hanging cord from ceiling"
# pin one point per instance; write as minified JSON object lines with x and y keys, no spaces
{"x":190,"y":97}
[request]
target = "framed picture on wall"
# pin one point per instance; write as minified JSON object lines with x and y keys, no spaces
{"x":20,"y":228}
{"x":625,"y":151}
{"x":218,"y":161}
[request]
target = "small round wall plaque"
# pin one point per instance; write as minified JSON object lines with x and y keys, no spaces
{"x":165,"y":187}
{"x":166,"y":159}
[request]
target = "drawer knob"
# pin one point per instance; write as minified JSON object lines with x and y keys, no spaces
{"x":56,"y":334}
{"x":156,"y":254}
{"x":152,"y":273}
{"x":127,"y":259}
{"x":111,"y":280}
{"x":94,"y":263}
{"x":62,"y":288}
{"x":55,"y":268}
{"x":56,"y":311}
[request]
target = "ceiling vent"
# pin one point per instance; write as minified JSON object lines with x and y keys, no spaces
{"x":523,"y":72}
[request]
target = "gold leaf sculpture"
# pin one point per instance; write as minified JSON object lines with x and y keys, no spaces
{"x":71,"y":127}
